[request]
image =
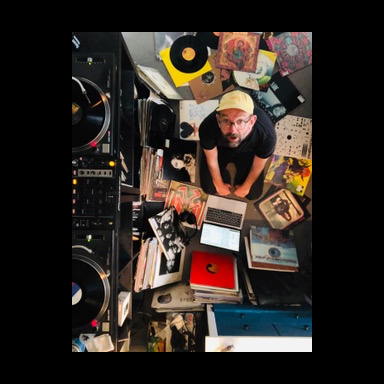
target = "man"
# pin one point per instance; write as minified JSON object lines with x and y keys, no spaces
{"x":240,"y":133}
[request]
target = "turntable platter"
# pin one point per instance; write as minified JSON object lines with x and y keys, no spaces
{"x":90,"y":291}
{"x":91,"y":115}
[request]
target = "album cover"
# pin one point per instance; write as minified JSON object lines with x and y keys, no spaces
{"x":282,"y":208}
{"x":238,"y":51}
{"x":290,"y":173}
{"x":179,"y":161}
{"x":169,"y":240}
{"x":181,"y":77}
{"x":280,"y":98}
{"x":155,"y":268}
{"x":293,"y":50}
{"x":186,"y":197}
{"x":271,"y":249}
{"x":191,"y":115}
{"x":210,"y":39}
{"x":264,"y":37}
{"x":265,"y":64}
{"x":164,"y":40}
{"x":212,"y":83}
{"x":214,"y":271}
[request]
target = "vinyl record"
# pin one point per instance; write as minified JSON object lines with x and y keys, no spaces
{"x":211,"y":39}
{"x":90,"y":291}
{"x":162,"y":125}
{"x":90,"y":118}
{"x":188,"y":54}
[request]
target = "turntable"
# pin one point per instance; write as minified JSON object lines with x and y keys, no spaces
{"x":91,"y":114}
{"x":94,"y":93}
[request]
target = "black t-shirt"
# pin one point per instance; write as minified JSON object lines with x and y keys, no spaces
{"x":261,"y":141}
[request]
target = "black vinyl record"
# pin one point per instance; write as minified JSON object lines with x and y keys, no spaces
{"x":211,"y":39}
{"x":162,"y":125}
{"x":90,"y":291}
{"x":188,"y":54}
{"x":90,"y":115}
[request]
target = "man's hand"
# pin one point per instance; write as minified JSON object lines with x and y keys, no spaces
{"x":223,"y":189}
{"x":241,"y":191}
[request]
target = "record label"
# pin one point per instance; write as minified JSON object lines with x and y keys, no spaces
{"x":188,"y":54}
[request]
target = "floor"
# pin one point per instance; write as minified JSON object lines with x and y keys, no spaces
{"x":141,"y":46}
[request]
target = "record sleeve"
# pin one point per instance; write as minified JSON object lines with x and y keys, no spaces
{"x":178,"y":77}
{"x":210,"y":39}
{"x":162,"y":125}
{"x":213,"y":83}
{"x":280,"y":98}
{"x":293,"y":50}
{"x":238,"y":51}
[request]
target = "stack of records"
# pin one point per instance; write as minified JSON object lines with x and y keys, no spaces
{"x":214,"y":278}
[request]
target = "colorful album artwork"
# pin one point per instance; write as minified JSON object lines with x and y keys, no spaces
{"x":293,"y":50}
{"x":265,"y":64}
{"x":238,"y":51}
{"x":186,"y":197}
{"x":290,"y":173}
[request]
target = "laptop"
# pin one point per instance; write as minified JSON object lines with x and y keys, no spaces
{"x":223,"y":221}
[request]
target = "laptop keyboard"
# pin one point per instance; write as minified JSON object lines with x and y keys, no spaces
{"x":221,"y":216}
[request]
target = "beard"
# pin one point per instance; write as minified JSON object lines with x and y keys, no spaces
{"x":233,"y":139}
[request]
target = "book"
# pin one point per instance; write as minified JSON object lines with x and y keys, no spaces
{"x":289,"y":173}
{"x":293,"y":50}
{"x":212,"y":83}
{"x":191,"y":115}
{"x":282,"y":208}
{"x":187,"y":197}
{"x":238,"y":51}
{"x":271,"y":249}
{"x":280,"y":98}
{"x":213,"y":271}
{"x":294,"y":137}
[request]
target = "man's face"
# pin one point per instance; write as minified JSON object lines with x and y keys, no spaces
{"x":235,"y":125}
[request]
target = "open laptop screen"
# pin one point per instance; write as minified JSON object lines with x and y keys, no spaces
{"x":221,"y":237}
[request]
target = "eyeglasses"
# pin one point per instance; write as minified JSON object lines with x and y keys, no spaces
{"x":239,"y":124}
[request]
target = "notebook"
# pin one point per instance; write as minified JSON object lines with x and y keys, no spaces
{"x":223,"y":221}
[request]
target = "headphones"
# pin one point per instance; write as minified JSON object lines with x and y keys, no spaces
{"x":185,"y":217}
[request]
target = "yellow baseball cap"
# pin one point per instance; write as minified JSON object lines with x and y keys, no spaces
{"x":237,"y":100}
